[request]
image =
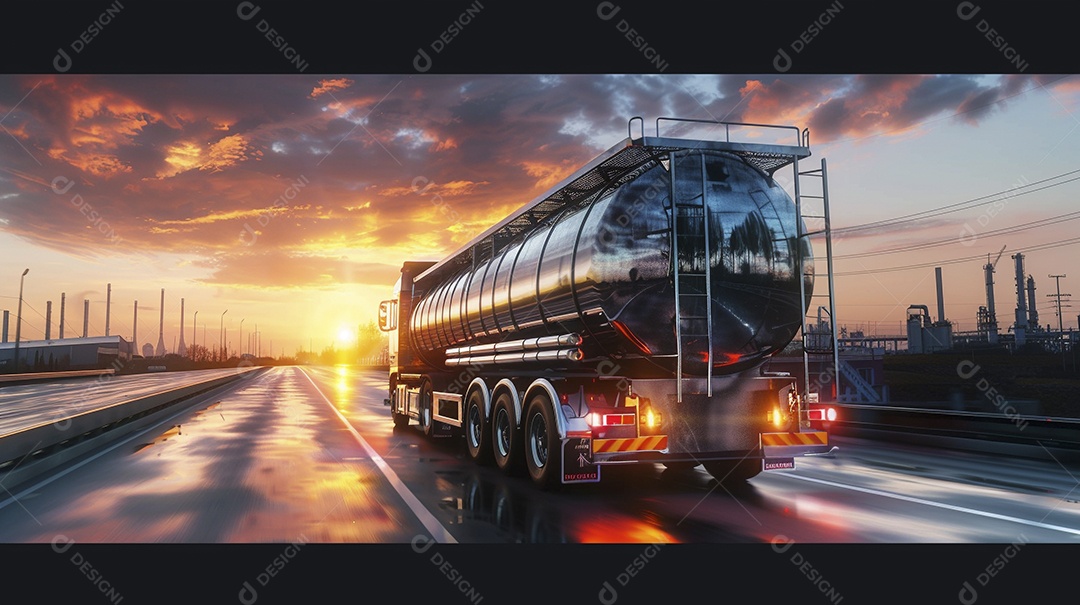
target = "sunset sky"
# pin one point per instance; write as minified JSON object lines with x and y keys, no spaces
{"x":291,"y":200}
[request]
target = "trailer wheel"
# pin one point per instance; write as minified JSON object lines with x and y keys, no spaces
{"x":506,"y":438}
{"x":542,"y":445}
{"x":427,"y":423}
{"x":731,"y":472}
{"x":477,"y":433}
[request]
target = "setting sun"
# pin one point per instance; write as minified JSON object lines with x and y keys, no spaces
{"x":346,"y":335}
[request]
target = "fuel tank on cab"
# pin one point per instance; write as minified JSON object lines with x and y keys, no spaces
{"x":642,"y":272}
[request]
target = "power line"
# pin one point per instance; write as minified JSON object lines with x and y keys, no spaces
{"x":1054,"y":220}
{"x":979,"y":257}
{"x":958,"y":206}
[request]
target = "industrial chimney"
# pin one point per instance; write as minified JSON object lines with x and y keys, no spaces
{"x":108,"y":306}
{"x":63,"y":300}
{"x":1020,"y":327}
{"x":991,"y":312}
{"x":940,"y":297}
{"x":86,"y":317}
{"x":7,"y":318}
{"x":161,"y":328}
{"x":182,"y":349}
{"x":135,"y":328}
{"x":1033,"y":313}
{"x":48,"y":320}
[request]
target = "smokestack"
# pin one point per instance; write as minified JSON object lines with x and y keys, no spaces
{"x":63,"y":300}
{"x":940,"y":297}
{"x":85,"y":317}
{"x":135,"y":328}
{"x":161,"y":328}
{"x":108,"y":306}
{"x":992,"y":326}
{"x":48,"y":320}
{"x":182,"y":349}
{"x":6,"y":320}
{"x":1033,"y":313}
{"x":1020,"y":327}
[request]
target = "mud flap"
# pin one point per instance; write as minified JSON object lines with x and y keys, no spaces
{"x":577,"y":461}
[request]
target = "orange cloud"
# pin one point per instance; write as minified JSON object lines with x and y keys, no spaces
{"x":444,"y":145}
{"x":326,"y":86}
{"x":451,"y":189}
{"x":228,"y":215}
{"x":224,"y":153}
{"x":547,"y":175}
{"x":181,"y":157}
{"x":229,"y":151}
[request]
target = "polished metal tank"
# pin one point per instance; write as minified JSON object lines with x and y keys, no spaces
{"x":605,"y":272}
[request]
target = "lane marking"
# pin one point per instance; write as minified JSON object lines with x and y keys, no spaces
{"x":434,"y":527}
{"x":952,"y":507}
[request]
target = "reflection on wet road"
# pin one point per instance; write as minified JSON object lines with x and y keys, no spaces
{"x":273,"y":460}
{"x":267,"y":462}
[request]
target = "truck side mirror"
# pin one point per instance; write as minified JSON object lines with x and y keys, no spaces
{"x":388,"y":315}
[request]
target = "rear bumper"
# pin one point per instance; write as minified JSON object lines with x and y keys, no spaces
{"x":788,"y":444}
{"x":653,"y":449}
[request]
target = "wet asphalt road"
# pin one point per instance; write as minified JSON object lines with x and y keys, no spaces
{"x":310,"y":454}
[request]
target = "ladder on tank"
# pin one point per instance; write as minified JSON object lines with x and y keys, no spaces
{"x":820,"y":340}
{"x":693,"y":288}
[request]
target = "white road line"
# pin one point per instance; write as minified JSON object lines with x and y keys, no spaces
{"x":952,"y":507}
{"x":436,"y":529}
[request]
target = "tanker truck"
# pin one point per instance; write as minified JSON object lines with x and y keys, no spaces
{"x":622,"y":317}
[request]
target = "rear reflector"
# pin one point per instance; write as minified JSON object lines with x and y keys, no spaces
{"x":618,"y":419}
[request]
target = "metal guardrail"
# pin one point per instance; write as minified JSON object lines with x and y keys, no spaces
{"x":1016,"y":429}
{"x":33,"y":446}
{"x":39,"y":376}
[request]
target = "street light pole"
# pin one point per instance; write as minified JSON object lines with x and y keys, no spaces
{"x":240,"y":339}
{"x":194,"y":341}
{"x":221,"y":335}
{"x":18,"y":320}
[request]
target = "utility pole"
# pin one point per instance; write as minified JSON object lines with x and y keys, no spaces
{"x":18,"y":319}
{"x":221,"y":335}
{"x":1061,"y":330}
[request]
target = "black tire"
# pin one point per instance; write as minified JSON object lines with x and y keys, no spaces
{"x":543,"y":451}
{"x":506,"y":437}
{"x":733,"y":472}
{"x":477,"y":429}
{"x":400,"y":420}
{"x":427,"y":422}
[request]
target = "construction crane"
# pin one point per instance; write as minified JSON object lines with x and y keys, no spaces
{"x":994,"y":264}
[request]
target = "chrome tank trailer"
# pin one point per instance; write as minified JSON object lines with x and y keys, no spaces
{"x":639,"y":271}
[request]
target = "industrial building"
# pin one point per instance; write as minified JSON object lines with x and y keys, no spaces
{"x":96,"y":352}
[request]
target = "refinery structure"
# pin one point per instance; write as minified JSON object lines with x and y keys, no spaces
{"x":1022,"y":331}
{"x":71,"y":350}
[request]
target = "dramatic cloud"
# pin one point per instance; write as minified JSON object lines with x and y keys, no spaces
{"x":317,"y":176}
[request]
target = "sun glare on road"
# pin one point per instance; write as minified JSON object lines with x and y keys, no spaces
{"x":341,"y":386}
